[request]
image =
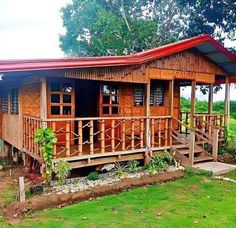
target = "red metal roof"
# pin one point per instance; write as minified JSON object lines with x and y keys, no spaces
{"x":139,"y":58}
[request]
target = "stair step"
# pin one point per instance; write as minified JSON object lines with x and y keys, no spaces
{"x":196,"y":151}
{"x":179,"y":146}
{"x":201,"y":159}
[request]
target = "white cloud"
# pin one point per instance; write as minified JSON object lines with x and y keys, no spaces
{"x":219,"y":96}
{"x":30,"y":28}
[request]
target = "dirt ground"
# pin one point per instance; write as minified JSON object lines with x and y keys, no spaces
{"x":17,"y":210}
{"x":227,"y":158}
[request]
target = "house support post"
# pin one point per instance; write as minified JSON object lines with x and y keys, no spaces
{"x":192,"y":122}
{"x":210,"y":99}
{"x":227,"y":103}
{"x":43,"y":101}
{"x":171,"y":109}
{"x":215,"y":143}
{"x":148,"y":152}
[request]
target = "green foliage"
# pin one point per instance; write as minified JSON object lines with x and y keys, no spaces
{"x":102,"y":28}
{"x":159,"y":163}
{"x":94,"y":176}
{"x":62,"y":169}
{"x":46,"y":138}
{"x":230,"y":142}
{"x":5,"y":163}
{"x":189,"y":171}
{"x":121,"y":170}
{"x":133,"y":166}
{"x":202,"y":106}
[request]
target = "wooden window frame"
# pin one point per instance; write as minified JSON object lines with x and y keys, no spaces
{"x":109,"y":104}
{"x":61,"y":93}
{"x":14,"y":101}
{"x":135,"y":88}
{"x":5,"y":98}
{"x":154,"y":103}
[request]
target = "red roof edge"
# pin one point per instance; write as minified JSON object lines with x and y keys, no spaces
{"x":134,"y":59}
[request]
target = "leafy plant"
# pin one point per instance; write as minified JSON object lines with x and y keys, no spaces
{"x":151,"y":168}
{"x":46,"y":138}
{"x":230,"y":141}
{"x":62,"y":170}
{"x":121,"y":170}
{"x":94,"y":176}
{"x":133,"y":166}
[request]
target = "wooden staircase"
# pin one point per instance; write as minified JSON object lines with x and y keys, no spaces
{"x":182,"y":148}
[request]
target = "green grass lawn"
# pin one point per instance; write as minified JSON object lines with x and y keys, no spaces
{"x":232,"y":124}
{"x":195,"y":201}
{"x":231,"y":175}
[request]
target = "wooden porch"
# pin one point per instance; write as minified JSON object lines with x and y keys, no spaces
{"x":93,"y":141}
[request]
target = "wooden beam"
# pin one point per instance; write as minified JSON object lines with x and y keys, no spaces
{"x":192,"y":123}
{"x":227,"y":102}
{"x":171,"y":97}
{"x":43,"y":98}
{"x":210,"y":99}
{"x":147,"y":127}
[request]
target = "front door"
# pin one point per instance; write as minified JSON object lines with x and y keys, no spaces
{"x":109,"y":104}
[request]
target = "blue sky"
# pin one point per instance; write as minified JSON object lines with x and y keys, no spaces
{"x":31,"y":28}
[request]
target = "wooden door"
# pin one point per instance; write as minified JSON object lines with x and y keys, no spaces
{"x":61,"y":106}
{"x":109,"y":103}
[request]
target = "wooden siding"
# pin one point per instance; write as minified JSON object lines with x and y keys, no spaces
{"x":127,"y":107}
{"x":135,"y":74}
{"x":30,"y":100}
{"x":190,"y":61}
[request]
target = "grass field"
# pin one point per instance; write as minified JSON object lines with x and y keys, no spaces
{"x":195,"y":201}
{"x":232,"y":125}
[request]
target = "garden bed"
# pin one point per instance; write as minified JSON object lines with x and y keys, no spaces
{"x":60,"y":200}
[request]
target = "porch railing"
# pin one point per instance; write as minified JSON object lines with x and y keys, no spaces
{"x":100,"y":135}
{"x":205,"y":122}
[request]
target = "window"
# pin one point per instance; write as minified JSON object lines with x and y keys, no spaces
{"x":4,"y":103}
{"x":110,"y":100}
{"x":157,"y":96}
{"x":14,"y":98}
{"x":61,"y":98}
{"x":138,"y":96}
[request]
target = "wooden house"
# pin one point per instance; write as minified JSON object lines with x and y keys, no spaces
{"x":111,"y":109}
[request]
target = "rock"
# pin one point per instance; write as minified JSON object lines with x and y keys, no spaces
{"x":108,"y":167}
{"x":1,"y":167}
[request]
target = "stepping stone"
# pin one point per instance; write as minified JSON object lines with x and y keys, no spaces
{"x":217,"y":168}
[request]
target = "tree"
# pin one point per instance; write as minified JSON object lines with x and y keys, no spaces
{"x":120,"y":27}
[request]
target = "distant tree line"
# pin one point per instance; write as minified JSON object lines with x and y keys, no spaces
{"x":202,"y":106}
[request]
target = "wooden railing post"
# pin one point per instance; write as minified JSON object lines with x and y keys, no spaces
{"x":54,"y":146}
{"x":67,"y":139}
{"x":215,"y":143}
{"x":80,"y":137}
{"x":192,"y":146}
{"x":112,"y":135}
{"x":102,"y":136}
{"x":123,"y":135}
{"x":91,"y":137}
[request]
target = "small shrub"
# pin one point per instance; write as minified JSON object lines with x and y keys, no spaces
{"x":5,"y":163}
{"x":62,"y":170}
{"x":151,"y":168}
{"x":93,"y":176}
{"x":133,"y":166}
{"x":193,"y":171}
{"x":121,"y":170}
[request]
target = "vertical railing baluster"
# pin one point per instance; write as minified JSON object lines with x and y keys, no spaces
{"x":153,"y":132}
{"x":165,"y":132}
{"x":91,"y":130}
{"x":123,"y":135}
{"x":103,"y":136}
{"x":113,"y":135}
{"x":68,"y":139}
{"x":141,"y":133}
{"x":80,"y":137}
{"x":54,"y":146}
{"x":132,"y":134}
